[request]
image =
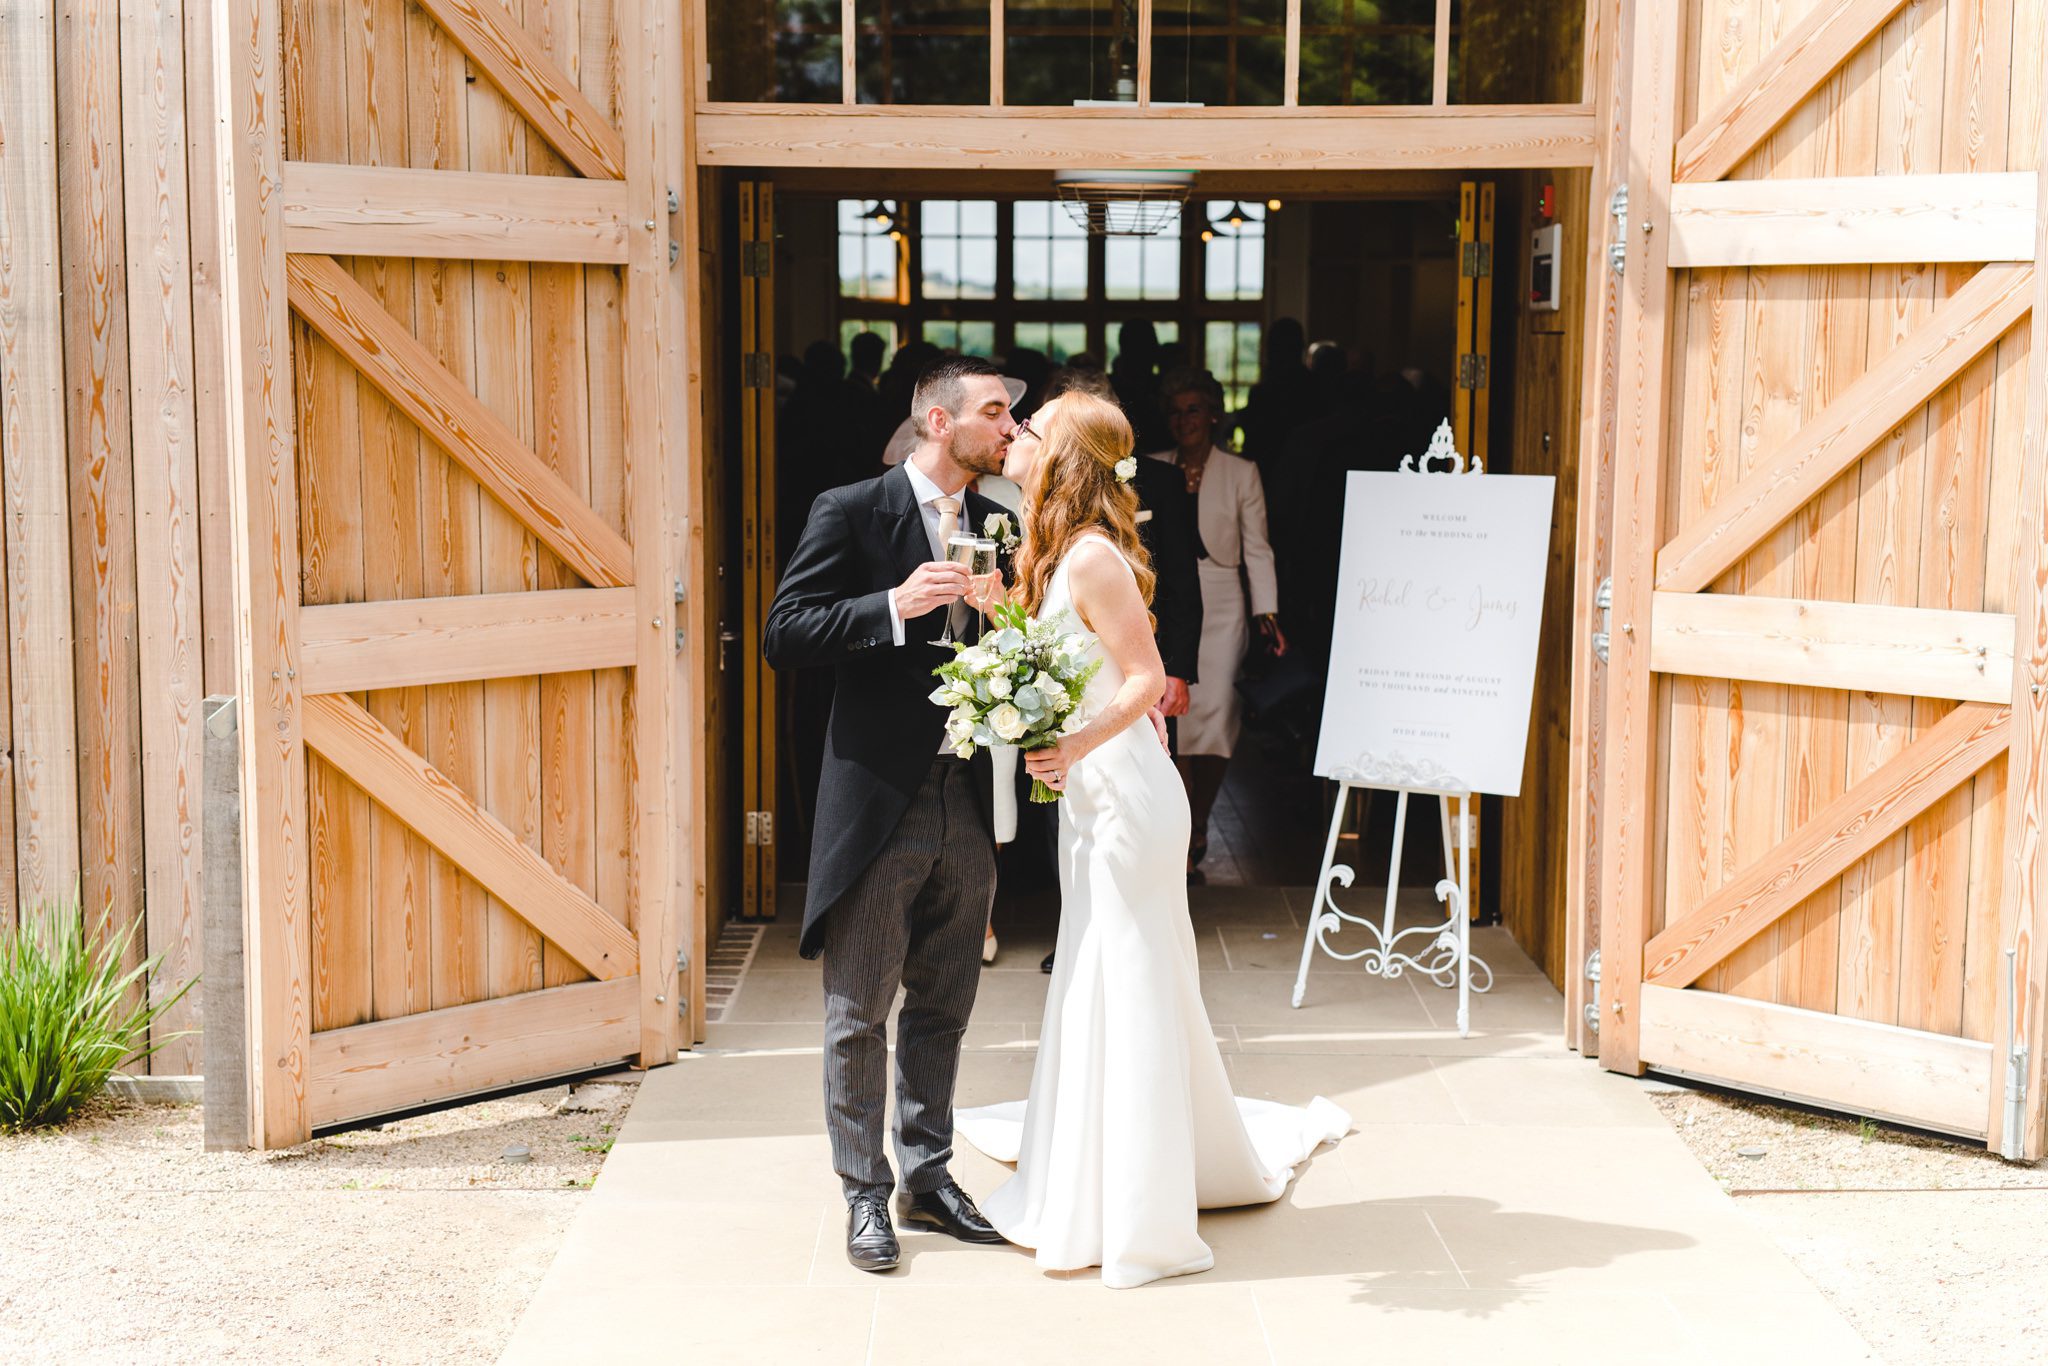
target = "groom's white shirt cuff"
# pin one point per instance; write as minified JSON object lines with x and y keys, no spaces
{"x":895,"y":619}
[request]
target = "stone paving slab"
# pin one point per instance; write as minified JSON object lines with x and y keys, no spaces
{"x":1499,"y":1197}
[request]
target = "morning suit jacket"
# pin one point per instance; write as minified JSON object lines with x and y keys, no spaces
{"x":1175,"y":546}
{"x":831,"y":610}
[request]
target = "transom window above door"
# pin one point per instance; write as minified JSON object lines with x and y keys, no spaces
{"x":1215,"y":53}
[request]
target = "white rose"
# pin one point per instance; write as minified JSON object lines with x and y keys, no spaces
{"x":1007,"y":722}
{"x":999,"y":686}
{"x":1073,"y":723}
{"x":1127,"y":468}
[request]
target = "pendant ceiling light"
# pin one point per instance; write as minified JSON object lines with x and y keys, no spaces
{"x":1124,"y":203}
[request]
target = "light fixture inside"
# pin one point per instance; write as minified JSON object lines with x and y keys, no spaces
{"x":1124,"y":203}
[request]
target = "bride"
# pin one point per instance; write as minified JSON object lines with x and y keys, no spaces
{"x":1130,"y":1127}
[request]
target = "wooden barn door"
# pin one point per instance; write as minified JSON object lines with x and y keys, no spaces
{"x":456,"y":350}
{"x":1821,"y":829}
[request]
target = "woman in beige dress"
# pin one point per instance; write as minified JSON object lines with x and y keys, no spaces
{"x":1230,"y":512}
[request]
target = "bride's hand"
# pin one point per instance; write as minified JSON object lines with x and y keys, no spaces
{"x":986,"y":592}
{"x":1051,"y":766}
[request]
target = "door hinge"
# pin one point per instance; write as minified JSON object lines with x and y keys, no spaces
{"x":683,"y":983}
{"x":757,"y":370}
{"x":1604,"y":600}
{"x":1593,"y":1004}
{"x":761,"y":828}
{"x":1617,"y":251}
{"x":1478,"y":261}
{"x":1472,"y":371}
{"x":682,"y":600}
{"x":756,"y":260}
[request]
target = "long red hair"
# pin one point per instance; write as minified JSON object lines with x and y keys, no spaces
{"x":1074,"y":490}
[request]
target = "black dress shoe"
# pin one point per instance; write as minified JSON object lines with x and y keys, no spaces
{"x":1045,"y":963}
{"x":870,"y":1237}
{"x":948,"y":1210}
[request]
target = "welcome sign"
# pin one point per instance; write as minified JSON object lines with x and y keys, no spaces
{"x":1439,"y":612}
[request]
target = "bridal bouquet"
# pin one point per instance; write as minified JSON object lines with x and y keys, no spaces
{"x":1020,"y":685}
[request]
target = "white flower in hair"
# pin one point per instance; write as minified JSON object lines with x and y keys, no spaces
{"x":1127,"y":469}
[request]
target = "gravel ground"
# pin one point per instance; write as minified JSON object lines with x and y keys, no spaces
{"x":413,"y":1242}
{"x":1934,"y":1249}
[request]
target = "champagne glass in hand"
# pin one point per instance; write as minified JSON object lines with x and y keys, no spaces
{"x":961,"y":551}
{"x":983,"y":566}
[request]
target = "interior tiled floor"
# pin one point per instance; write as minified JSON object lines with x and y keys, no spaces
{"x":1499,"y":1196}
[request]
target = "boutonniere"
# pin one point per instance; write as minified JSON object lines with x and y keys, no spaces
{"x":998,"y":528}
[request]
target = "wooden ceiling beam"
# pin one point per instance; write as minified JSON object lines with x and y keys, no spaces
{"x":1049,"y":139}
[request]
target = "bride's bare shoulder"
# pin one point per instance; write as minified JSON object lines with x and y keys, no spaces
{"x":1095,"y":564}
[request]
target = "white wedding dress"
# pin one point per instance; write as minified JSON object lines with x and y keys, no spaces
{"x":1130,"y":1127}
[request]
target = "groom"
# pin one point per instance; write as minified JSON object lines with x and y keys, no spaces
{"x":903,"y":867}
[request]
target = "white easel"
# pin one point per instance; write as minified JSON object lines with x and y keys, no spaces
{"x":1447,"y":960}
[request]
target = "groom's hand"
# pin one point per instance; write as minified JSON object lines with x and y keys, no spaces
{"x":932,"y":585}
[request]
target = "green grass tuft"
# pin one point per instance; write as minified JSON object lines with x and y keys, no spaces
{"x":64,"y":1027}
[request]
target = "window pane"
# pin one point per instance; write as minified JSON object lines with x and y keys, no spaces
{"x":1060,"y":51}
{"x":1234,"y":254}
{"x":849,"y":328}
{"x":1534,"y":51}
{"x":1219,"y":51}
{"x":1142,"y":267}
{"x":1231,"y":352}
{"x":939,"y":216}
{"x":921,"y":51}
{"x":1070,"y":269}
{"x":1031,"y":264}
{"x":1367,"y":51}
{"x":1034,"y":217}
{"x":867,"y":249}
{"x":784,"y":50}
{"x":978,"y":268}
{"x":941,"y":268}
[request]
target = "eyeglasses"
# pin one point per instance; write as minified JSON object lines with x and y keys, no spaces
{"x":1025,"y":428}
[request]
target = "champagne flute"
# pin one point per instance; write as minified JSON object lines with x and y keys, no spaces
{"x":960,"y":550}
{"x":984,"y":565}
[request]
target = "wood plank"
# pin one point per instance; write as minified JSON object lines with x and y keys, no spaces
{"x":34,"y":475}
{"x":1593,"y":540}
{"x":210,"y":399}
{"x":417,"y":642}
{"x":1841,"y":833}
{"x":656,"y":425}
{"x":264,"y":484}
{"x":1953,"y":514}
{"x":330,"y":461}
{"x":168,"y":617}
{"x":1822,"y":449}
{"x":2023,"y":910}
{"x":1922,"y":651}
{"x":538,"y":88}
{"x":1440,"y":56}
{"x":561,"y":423}
{"x":1159,"y":137}
{"x":1845,"y":219}
{"x":695,"y":816}
{"x":440,"y":1056}
{"x":351,"y":319}
{"x":1787,"y":76}
{"x":1629,"y":834}
{"x":452,"y":821}
{"x":400,"y":862}
{"x":1926,"y":1080}
{"x":502,"y":325}
{"x":340,"y":210}
{"x":451,"y":506}
{"x":1824,"y":563}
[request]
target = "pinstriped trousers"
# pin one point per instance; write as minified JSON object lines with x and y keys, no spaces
{"x":914,"y":919}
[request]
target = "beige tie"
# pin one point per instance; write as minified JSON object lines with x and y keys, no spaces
{"x":949,"y":523}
